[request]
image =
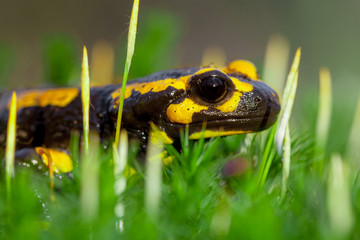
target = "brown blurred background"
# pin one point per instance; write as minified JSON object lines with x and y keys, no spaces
{"x":328,"y":32}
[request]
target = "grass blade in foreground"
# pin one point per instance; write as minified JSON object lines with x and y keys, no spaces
{"x":323,"y":120}
{"x":120,"y":159}
{"x":353,"y":151}
{"x":288,"y":100}
{"x":286,"y":161}
{"x":284,"y":116}
{"x":129,"y":55}
{"x":153,"y":173}
{"x":89,"y":164}
{"x":85,"y":97}
{"x":10,"y":143}
{"x":89,"y":168}
{"x":339,"y":200}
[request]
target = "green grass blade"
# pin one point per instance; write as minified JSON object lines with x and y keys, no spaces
{"x":286,"y":161}
{"x":85,"y":97}
{"x":10,"y":143}
{"x":89,"y":192}
{"x":323,"y":120}
{"x":129,"y":55}
{"x":153,"y":181}
{"x":266,"y":159}
{"x":288,"y":101}
{"x":278,"y":131}
{"x":353,"y":151}
{"x":339,"y":207}
{"x":120,"y":160}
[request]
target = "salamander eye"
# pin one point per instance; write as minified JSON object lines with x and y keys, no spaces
{"x":212,"y":89}
{"x":210,"y":86}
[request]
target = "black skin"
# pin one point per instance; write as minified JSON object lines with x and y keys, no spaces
{"x":51,"y":126}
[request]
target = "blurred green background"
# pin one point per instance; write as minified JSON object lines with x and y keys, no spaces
{"x":42,"y":41}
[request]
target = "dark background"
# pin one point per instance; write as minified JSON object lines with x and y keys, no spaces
{"x":327,"y":31}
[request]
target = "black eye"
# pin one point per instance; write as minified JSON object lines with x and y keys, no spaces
{"x":212,"y":88}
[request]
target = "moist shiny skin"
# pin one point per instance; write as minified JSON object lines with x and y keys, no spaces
{"x":230,"y":103}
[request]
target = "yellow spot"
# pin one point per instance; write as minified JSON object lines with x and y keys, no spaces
{"x":117,"y":92}
{"x":156,"y":134}
{"x":61,"y":162}
{"x":28,"y":98}
{"x":183,"y":112}
{"x":243,"y":67}
{"x":211,"y":133}
{"x":233,"y":102}
{"x":167,"y":160}
{"x":128,"y":171}
{"x":41,"y":98}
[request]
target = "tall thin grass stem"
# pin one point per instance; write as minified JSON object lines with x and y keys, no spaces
{"x":10,"y":143}
{"x":353,"y":150}
{"x":324,"y":116}
{"x":288,"y":101}
{"x":129,"y":55}
{"x":89,"y":170}
{"x":153,"y":179}
{"x":120,"y":160}
{"x":85,"y":97}
{"x":339,"y":206}
{"x":286,"y":161}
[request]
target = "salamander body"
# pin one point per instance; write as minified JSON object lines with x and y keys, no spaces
{"x":230,"y":100}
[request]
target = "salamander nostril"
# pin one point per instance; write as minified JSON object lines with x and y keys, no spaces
{"x":257,"y":99}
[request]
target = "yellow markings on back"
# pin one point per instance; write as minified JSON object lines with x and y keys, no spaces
{"x":117,"y":92}
{"x":160,"y":85}
{"x":61,"y":162}
{"x":156,"y":86}
{"x":184,"y":111}
{"x":231,"y":104}
{"x":243,"y":67}
{"x":41,"y":98}
{"x":211,"y":133}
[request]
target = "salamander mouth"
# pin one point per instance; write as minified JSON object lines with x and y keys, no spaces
{"x":236,"y":125}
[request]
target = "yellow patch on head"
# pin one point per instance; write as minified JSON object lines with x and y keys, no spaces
{"x":61,"y":162}
{"x":243,"y":67}
{"x":183,"y":112}
{"x":41,"y":98}
{"x":231,"y":104}
{"x":211,"y":133}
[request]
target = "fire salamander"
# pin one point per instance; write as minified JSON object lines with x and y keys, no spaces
{"x":231,"y":100}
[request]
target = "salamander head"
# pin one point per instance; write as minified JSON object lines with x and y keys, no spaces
{"x":229,"y":101}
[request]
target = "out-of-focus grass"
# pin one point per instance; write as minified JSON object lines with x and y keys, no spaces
{"x":60,"y":59}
